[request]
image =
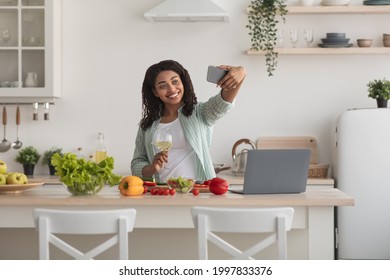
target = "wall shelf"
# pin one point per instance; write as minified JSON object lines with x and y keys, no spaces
{"x":322,"y":51}
{"x":329,"y":10}
{"x":336,"y":10}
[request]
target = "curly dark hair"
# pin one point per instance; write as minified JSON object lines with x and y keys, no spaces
{"x":153,"y":107}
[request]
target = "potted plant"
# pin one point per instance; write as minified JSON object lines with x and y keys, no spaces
{"x":262,"y":25}
{"x":28,"y":157}
{"x":379,"y":90}
{"x":47,"y":155}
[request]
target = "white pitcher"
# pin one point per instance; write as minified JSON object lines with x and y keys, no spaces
{"x":31,"y":79}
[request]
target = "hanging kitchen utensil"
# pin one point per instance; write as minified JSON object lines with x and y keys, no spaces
{"x":239,"y":160}
{"x":5,"y":145}
{"x":46,"y":111}
{"x":35,"y":111}
{"x":17,"y":144}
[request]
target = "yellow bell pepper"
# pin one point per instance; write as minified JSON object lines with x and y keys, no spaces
{"x":131,"y":186}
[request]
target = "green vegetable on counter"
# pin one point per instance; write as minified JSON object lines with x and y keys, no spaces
{"x":84,"y":176}
{"x":181,"y":183}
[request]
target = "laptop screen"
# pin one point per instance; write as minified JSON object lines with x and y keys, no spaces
{"x":275,"y":171}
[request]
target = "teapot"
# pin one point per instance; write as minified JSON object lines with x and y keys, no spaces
{"x":239,"y":160}
{"x":31,"y":79}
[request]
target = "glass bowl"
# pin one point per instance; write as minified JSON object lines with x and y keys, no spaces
{"x":180,"y":184}
{"x":84,"y":189}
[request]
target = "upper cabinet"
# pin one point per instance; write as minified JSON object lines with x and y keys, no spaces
{"x":30,"y":50}
{"x":328,"y":10}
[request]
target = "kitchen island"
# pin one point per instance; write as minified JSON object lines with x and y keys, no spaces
{"x":164,"y":228}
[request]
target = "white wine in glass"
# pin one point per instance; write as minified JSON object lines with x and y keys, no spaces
{"x":163,"y":139}
{"x":163,"y":145}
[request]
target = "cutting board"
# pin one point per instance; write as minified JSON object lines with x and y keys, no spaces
{"x":288,"y":142}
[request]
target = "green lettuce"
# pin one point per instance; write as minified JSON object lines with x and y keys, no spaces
{"x":84,"y":176}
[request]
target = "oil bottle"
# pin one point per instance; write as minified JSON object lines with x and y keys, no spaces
{"x":101,"y":152}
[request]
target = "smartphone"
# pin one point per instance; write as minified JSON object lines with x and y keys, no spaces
{"x":214,"y":74}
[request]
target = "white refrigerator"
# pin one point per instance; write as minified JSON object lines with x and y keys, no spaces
{"x":362,"y":170}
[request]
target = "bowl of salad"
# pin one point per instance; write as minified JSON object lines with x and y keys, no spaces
{"x":180,"y":184}
{"x":82,"y":176}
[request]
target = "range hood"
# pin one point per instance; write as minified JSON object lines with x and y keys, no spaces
{"x":187,"y":11}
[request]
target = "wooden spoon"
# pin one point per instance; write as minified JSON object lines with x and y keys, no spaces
{"x":17,"y":144}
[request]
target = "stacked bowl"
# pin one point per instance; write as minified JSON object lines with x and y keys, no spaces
{"x":364,"y":43}
{"x":335,"y":40}
{"x":386,"y":40}
{"x":376,"y":2}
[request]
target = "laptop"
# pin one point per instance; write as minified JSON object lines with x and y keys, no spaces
{"x":275,"y":171}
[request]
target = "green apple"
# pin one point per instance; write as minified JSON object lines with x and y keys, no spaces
{"x":24,"y":178}
{"x":3,"y":167}
{"x":16,"y":178}
{"x":3,"y":179}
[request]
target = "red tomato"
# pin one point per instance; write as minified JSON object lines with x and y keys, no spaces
{"x":153,"y":191}
{"x":160,"y":191}
{"x":207,"y":182}
{"x":218,"y":186}
{"x":195,"y":191}
{"x":172,"y":191}
{"x":166,"y":191}
{"x":145,"y":189}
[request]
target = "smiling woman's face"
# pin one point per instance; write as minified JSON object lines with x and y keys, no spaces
{"x":169,"y":87}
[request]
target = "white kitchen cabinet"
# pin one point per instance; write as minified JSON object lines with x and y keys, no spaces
{"x":30,"y":42}
{"x":330,"y":10}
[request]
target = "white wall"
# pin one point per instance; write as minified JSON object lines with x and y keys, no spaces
{"x":108,"y":45}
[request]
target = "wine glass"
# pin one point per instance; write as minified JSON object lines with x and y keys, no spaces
{"x":162,"y":140}
{"x":280,"y":39}
{"x":308,"y":34}
{"x":294,"y":37}
{"x":6,"y":35}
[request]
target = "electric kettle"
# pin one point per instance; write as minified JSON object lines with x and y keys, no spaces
{"x":239,"y":160}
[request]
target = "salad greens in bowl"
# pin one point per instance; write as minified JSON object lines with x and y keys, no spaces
{"x":84,"y":176}
{"x":181,"y":184}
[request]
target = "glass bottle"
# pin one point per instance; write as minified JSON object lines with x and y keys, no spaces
{"x":101,"y":152}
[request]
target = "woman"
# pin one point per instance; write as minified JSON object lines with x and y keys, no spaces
{"x":169,"y":102}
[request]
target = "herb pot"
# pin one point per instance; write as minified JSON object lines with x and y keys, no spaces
{"x":382,"y":103}
{"x":52,"y":169}
{"x":28,"y":169}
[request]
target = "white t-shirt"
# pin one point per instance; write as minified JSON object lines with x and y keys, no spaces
{"x":181,"y":156}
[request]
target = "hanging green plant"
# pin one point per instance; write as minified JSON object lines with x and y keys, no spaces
{"x":262,"y":25}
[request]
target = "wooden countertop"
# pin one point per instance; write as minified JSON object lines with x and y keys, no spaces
{"x":57,"y":195}
{"x":239,"y":180}
{"x":227,"y":175}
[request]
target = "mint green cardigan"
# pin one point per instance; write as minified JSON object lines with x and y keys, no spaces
{"x":198,"y":130}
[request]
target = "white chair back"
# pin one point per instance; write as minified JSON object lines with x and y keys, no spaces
{"x":49,"y":222}
{"x":275,"y":221}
